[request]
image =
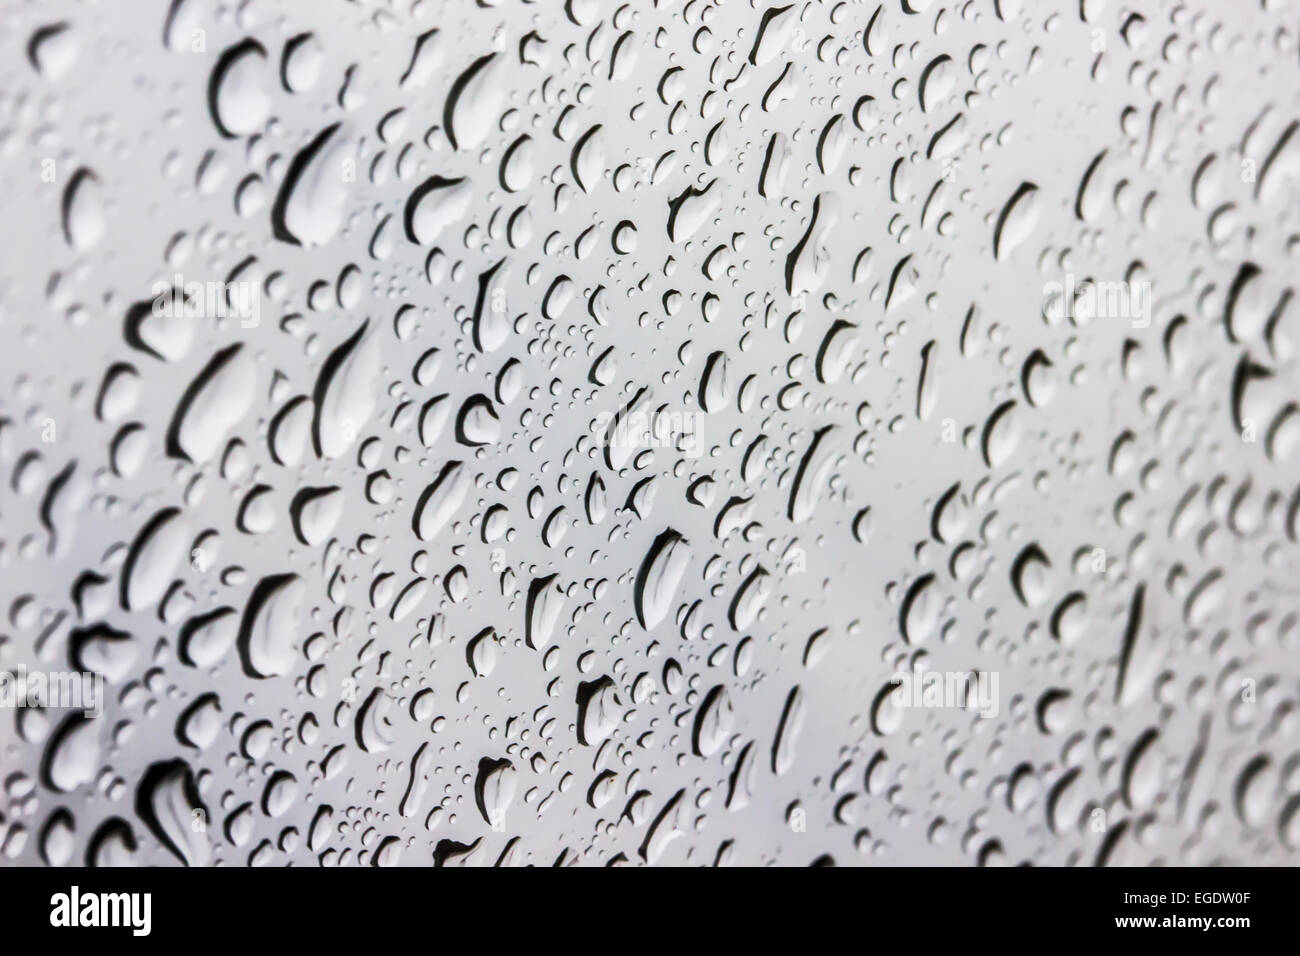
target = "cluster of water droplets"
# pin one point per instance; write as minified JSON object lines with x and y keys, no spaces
{"x":626,"y":397}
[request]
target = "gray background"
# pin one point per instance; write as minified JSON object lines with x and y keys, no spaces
{"x":1190,"y":103}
